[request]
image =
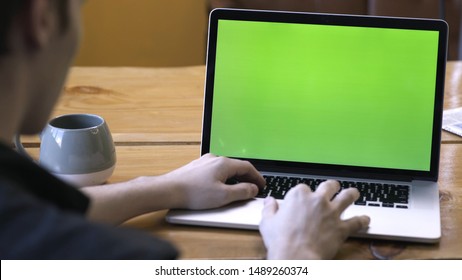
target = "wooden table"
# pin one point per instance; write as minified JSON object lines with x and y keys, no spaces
{"x":155,"y":116}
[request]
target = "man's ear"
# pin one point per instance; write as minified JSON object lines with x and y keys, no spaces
{"x":41,"y":22}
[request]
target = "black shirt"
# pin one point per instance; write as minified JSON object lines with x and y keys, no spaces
{"x":42,"y":217}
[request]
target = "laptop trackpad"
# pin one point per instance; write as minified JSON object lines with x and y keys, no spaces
{"x":242,"y":214}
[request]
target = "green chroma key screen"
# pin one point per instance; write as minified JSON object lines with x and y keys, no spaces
{"x":355,"y":96}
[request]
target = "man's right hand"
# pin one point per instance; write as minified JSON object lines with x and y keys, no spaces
{"x":308,"y":225}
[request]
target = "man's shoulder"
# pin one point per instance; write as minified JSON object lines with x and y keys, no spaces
{"x":42,"y":218}
{"x":32,"y":180}
{"x":31,"y":228}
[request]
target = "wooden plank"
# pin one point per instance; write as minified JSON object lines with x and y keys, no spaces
{"x":215,"y":243}
{"x":160,"y":105}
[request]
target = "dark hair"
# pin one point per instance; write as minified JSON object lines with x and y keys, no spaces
{"x":10,"y":8}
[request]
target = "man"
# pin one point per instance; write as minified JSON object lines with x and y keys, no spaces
{"x":43,"y":218}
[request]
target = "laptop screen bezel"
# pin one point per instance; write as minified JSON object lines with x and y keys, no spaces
{"x":342,"y":20}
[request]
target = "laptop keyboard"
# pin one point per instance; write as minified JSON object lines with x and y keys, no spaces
{"x":371,"y":194}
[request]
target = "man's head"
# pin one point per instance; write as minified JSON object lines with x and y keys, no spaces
{"x":10,"y":9}
{"x":38,"y":40}
{"x":7,"y":11}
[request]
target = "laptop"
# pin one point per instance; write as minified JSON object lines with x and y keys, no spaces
{"x":308,"y":97}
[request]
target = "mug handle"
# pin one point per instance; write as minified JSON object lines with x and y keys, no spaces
{"x":20,"y":148}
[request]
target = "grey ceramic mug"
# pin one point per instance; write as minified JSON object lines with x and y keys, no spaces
{"x":78,"y":148}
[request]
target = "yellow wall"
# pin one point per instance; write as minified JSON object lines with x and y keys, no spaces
{"x":143,"y":33}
